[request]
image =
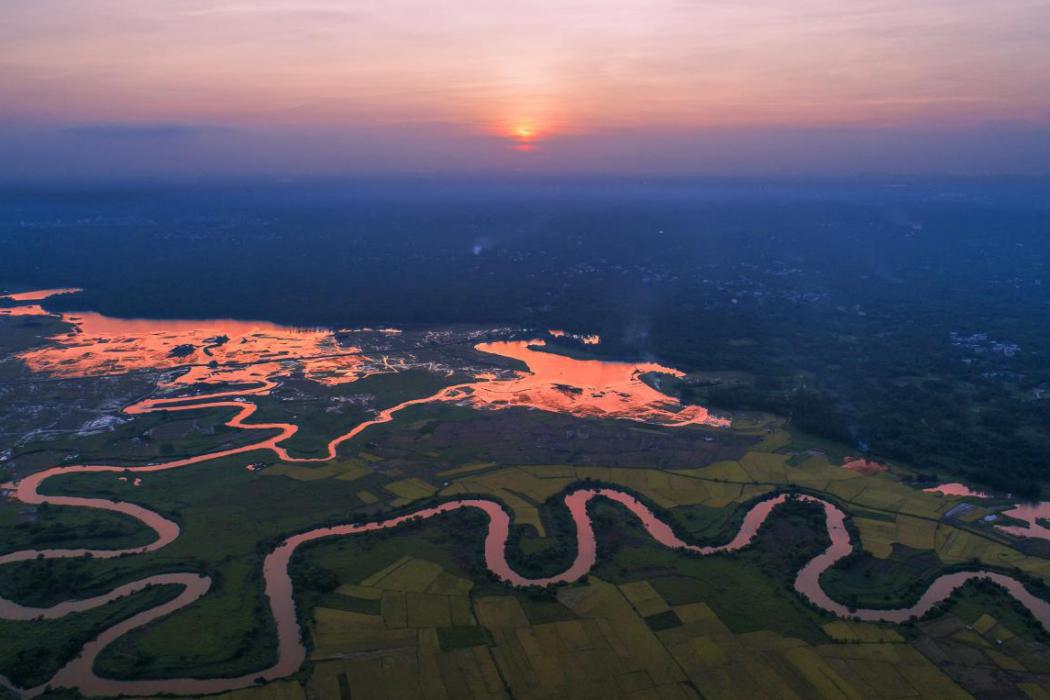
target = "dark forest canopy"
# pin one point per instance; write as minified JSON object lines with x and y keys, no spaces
{"x":908,"y":316}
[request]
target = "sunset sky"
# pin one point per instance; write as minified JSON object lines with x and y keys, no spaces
{"x":111,"y":86}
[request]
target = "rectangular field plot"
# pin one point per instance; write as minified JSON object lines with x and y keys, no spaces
{"x":644,"y":598}
{"x":274,"y":691}
{"x":916,"y":533}
{"x":411,"y":489}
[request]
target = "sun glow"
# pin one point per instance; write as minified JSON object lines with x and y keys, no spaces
{"x":524,"y":132}
{"x":525,"y":136}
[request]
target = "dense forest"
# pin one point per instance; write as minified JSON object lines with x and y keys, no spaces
{"x":909,"y":317}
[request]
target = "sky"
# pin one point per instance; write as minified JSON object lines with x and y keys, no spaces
{"x":111,"y":87}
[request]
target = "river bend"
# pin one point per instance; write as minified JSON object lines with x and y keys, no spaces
{"x":79,"y":673}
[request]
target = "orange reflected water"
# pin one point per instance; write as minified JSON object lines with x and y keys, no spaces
{"x":956,"y":489}
{"x":552,"y":382}
{"x":28,"y":310}
{"x":864,"y":466}
{"x":258,"y":353}
{"x":39,"y":294}
{"x":585,"y":388}
{"x":1033,"y":514}
{"x":223,"y":350}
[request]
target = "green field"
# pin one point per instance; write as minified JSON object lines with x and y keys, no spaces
{"x":413,"y":613}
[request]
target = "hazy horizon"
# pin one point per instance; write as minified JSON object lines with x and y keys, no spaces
{"x":100,"y":88}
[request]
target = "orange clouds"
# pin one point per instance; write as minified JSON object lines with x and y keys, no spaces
{"x":568,"y":66}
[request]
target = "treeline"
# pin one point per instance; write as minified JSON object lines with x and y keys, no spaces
{"x":840,"y":308}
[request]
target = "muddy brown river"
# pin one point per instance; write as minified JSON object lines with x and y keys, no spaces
{"x":608,"y":389}
{"x":291,"y":654}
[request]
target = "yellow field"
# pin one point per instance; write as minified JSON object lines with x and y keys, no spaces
{"x":877,"y":536}
{"x":726,"y":471}
{"x":411,"y":489}
{"x":409,"y":574}
{"x":765,"y":467}
{"x":889,"y":670}
{"x":498,"y":612}
{"x":343,"y":469}
{"x":301,"y":473}
{"x":353,"y":471}
{"x":355,"y":591}
{"x":1034,"y":691}
{"x":467,"y":468}
{"x":916,"y":533}
{"x":609,"y":649}
{"x":421,"y":671}
{"x":644,"y":598}
{"x":396,"y":653}
{"x":287,"y":690}
{"x":764,"y":664}
{"x":773,"y":441}
{"x":850,"y":631}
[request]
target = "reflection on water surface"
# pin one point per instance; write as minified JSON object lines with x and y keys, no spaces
{"x":586,"y":388}
{"x":39,"y":294}
{"x":236,"y":352}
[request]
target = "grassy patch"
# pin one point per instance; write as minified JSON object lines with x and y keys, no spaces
{"x":338,"y":601}
{"x":979,"y":599}
{"x":863,"y":580}
{"x":69,"y":528}
{"x":663,"y":621}
{"x":463,"y":637}
{"x":32,"y":651}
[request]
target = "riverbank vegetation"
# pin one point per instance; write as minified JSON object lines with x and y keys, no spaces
{"x":230,"y":517}
{"x":403,"y":610}
{"x":31,"y":651}
{"x":904,"y":317}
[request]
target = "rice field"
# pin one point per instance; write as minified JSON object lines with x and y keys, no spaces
{"x":413,"y":615}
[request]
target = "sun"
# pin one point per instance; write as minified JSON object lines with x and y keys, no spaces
{"x":523,"y":134}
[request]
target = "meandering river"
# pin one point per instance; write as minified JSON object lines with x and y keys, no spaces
{"x":79,"y":673}
{"x":553,"y":383}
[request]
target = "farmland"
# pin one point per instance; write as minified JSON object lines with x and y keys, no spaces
{"x":415,"y":612}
